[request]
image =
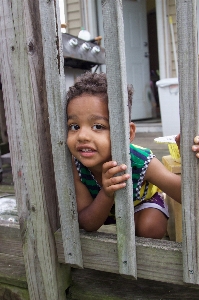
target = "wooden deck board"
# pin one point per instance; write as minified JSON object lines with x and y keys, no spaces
{"x":91,"y":284}
{"x":159,"y":260}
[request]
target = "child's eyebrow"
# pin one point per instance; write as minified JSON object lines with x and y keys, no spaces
{"x":92,"y":117}
{"x":96,"y":117}
{"x":73,"y":117}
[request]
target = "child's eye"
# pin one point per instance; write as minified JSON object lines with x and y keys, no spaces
{"x":98,"y":127}
{"x":73,"y":127}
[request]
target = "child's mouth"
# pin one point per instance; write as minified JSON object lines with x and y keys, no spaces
{"x":86,"y":152}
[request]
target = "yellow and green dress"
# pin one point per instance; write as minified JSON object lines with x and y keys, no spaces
{"x":145,"y":194}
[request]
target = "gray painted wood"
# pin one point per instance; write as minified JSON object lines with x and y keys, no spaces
{"x":188,"y":94}
{"x":91,"y":284}
{"x":119,"y":125}
{"x":24,"y":90}
{"x":3,"y":127}
{"x":158,"y":260}
{"x":56,"y":97}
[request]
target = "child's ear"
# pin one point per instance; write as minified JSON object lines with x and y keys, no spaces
{"x":132,"y":131}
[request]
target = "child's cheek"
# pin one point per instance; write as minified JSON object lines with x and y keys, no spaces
{"x":68,"y":142}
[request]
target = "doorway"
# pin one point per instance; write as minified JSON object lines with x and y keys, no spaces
{"x":153,"y":51}
{"x":139,"y":61}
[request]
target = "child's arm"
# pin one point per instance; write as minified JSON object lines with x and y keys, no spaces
{"x":93,"y":213}
{"x":168,"y":182}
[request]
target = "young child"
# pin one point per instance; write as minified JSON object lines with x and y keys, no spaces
{"x":97,"y":177}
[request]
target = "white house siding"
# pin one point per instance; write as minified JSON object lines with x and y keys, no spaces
{"x":171,"y":7}
{"x":73,"y":16}
{"x":78,"y":13}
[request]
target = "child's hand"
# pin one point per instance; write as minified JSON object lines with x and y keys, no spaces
{"x":195,"y":147}
{"x":110,"y":181}
{"x":177,"y":139}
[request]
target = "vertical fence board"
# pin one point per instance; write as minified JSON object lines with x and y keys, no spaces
{"x":188,"y":94}
{"x":24,"y":89}
{"x":118,"y":109}
{"x":56,"y":91}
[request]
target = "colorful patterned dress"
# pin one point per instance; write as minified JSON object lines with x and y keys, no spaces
{"x":145,"y":194}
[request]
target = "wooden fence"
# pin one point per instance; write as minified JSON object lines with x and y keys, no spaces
{"x":34,"y":97}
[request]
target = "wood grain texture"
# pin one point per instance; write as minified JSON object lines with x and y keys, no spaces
{"x":174,"y":226}
{"x":12,"y":266}
{"x":24,"y":89}
{"x":120,"y":140}
{"x":12,"y":270}
{"x":158,"y":260}
{"x":91,"y":284}
{"x":171,"y":165}
{"x":10,"y":238}
{"x":188,"y":95}
{"x":3,"y":127}
{"x":56,"y":99}
{"x":13,"y":293}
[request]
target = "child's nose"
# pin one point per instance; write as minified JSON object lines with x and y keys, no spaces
{"x":84,"y":134}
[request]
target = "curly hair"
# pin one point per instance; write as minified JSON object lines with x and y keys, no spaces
{"x":94,"y":84}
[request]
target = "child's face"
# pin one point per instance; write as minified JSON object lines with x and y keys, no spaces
{"x":89,"y":131}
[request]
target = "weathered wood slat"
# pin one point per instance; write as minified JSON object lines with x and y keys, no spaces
{"x":12,"y":270}
{"x":24,"y":91}
{"x":10,"y":239}
{"x":120,"y":141}
{"x":3,"y":127}
{"x":56,"y":97}
{"x":171,"y":165}
{"x":8,"y":291}
{"x":188,"y":94}
{"x":12,"y":267}
{"x":91,"y":284}
{"x":156,"y":260}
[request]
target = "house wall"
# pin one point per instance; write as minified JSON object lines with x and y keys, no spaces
{"x":73,"y":16}
{"x":167,"y":51}
{"x":80,"y":14}
{"x":173,"y":48}
{"x":77,"y":14}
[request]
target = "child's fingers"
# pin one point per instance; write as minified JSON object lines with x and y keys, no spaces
{"x":113,"y":184}
{"x":196,"y":140}
{"x":118,"y":179}
{"x":111,"y":168}
{"x":177,"y":138}
{"x":109,"y":164}
{"x":111,"y":181}
{"x":113,"y":188}
{"x":195,"y":148}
